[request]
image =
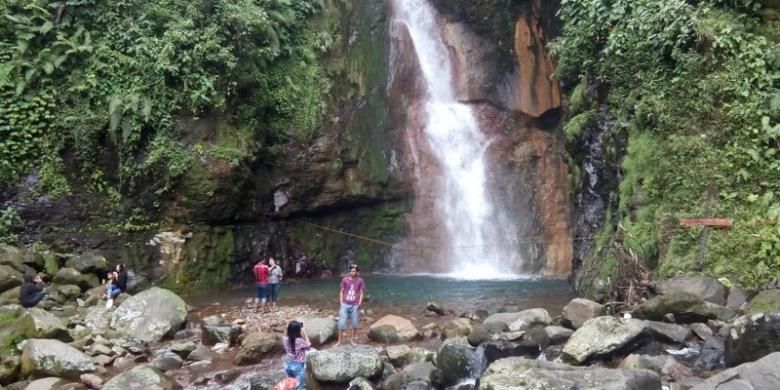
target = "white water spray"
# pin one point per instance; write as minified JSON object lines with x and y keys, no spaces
{"x":481,"y":241}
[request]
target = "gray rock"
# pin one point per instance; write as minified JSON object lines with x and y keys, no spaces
{"x":736,"y":298}
{"x":53,"y":357}
{"x":344,"y":363}
{"x":384,"y":334}
{"x":496,"y":350}
{"x":166,"y":361}
{"x":435,"y":308}
{"x":486,"y":332}
{"x":555,"y":335}
{"x":100,"y":349}
{"x":215,"y":334}
{"x":403,"y":327}
{"x":701,"y":331}
{"x":266,"y":380}
{"x":144,"y":377}
{"x":10,"y":296}
{"x":530,"y":318}
{"x":88,"y":263}
{"x":457,"y":327}
{"x":257,"y":345}
{"x":13,"y":257}
{"x":9,"y":368}
{"x":712,"y":354}
{"x":666,"y":366}
{"x":48,"y":326}
{"x":65,"y":293}
{"x":519,"y":373}
{"x":420,"y":355}
{"x":761,"y":374}
{"x":201,"y":353}
{"x":668,"y":332}
{"x":320,"y":330}
{"x":150,"y":315}
{"x":686,"y":308}
{"x":765,"y":301}
{"x":98,"y":318}
{"x":579,"y":310}
{"x":753,"y":337}
{"x":9,"y":278}
{"x":420,"y":372}
{"x":600,"y":337}
{"x":92,"y":381}
{"x":360,"y":383}
{"x":397,"y":354}
{"x":51,"y":383}
{"x":707,"y":288}
{"x":183,"y":349}
{"x":457,"y":361}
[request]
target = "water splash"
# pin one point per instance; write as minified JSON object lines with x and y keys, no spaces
{"x":481,"y":241}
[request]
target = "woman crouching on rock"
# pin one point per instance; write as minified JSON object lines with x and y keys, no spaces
{"x":296,"y":344}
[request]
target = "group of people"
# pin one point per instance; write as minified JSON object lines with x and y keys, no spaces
{"x":295,"y":342}
{"x":32,"y":290}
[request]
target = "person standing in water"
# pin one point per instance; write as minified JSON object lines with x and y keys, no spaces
{"x":350,"y":299}
{"x":275,"y":275}
{"x":260,"y":271}
{"x":296,"y":343}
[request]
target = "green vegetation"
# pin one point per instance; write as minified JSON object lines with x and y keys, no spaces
{"x":96,"y":93}
{"x":694,"y":89}
{"x":8,"y":218}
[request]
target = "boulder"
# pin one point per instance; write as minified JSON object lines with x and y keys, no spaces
{"x":686,"y":308}
{"x":202,"y":353}
{"x":602,"y":336}
{"x":11,"y":296}
{"x":457,"y":327}
{"x":420,"y":355}
{"x":50,"y":383}
{"x":53,"y":357}
{"x":435,"y":308}
{"x":701,"y":331}
{"x":765,"y":301}
{"x":397,"y":354}
{"x":518,"y":373}
{"x":9,"y":278}
{"x":457,"y":361}
{"x":65,"y":293}
{"x":579,"y":310}
{"x":712,"y":354}
{"x":672,"y":333}
{"x":419,"y":376}
{"x":256,"y":345}
{"x":736,"y":298}
{"x":183,"y":349}
{"x":48,"y":326}
{"x":143,"y":377}
{"x":360,"y":383}
{"x":13,"y":257}
{"x":666,"y":366}
{"x":266,"y":380}
{"x":344,"y":363}
{"x":499,"y":349}
{"x":150,"y":315}
{"x":403,"y":327}
{"x":384,"y":334}
{"x":88,"y":263}
{"x":555,"y":335}
{"x":753,"y":337}
{"x":98,"y":319}
{"x":320,"y":330}
{"x":71,"y":276}
{"x":486,"y":332}
{"x":9,"y":368}
{"x":215,"y":334}
{"x":707,"y":288}
{"x":92,"y":381}
{"x":530,"y":318}
{"x":166,"y":361}
{"x":761,"y":374}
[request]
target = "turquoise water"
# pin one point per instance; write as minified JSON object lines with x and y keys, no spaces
{"x":392,"y":293}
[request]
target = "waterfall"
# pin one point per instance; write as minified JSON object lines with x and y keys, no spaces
{"x":480,"y":240}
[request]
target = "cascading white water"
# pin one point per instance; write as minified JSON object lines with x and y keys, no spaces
{"x":481,"y":241}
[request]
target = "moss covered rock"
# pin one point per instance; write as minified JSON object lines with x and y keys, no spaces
{"x":150,"y":315}
{"x":765,"y":301}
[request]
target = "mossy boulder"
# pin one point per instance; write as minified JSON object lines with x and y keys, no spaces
{"x":10,"y":297}
{"x":71,"y":276}
{"x":44,"y":357}
{"x":342,"y":364}
{"x":9,"y":368}
{"x":257,"y":345}
{"x":765,"y":301}
{"x":47,"y":326}
{"x":456,"y":361}
{"x":686,"y":308}
{"x":752,"y":337}
{"x":88,"y":263}
{"x":150,"y":315}
{"x":9,"y":278}
{"x":12,"y":257}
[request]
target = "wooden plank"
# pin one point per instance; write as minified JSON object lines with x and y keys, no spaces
{"x":710,"y":222}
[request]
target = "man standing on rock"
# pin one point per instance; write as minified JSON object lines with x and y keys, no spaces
{"x":350,"y":299}
{"x":261,"y":279}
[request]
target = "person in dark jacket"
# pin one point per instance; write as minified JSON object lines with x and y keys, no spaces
{"x":121,"y":277}
{"x":31,"y":291}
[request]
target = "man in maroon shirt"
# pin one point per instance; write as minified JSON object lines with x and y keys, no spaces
{"x":350,"y":299}
{"x":260,"y":271}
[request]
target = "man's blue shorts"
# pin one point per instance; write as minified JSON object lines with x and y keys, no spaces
{"x":263,"y":291}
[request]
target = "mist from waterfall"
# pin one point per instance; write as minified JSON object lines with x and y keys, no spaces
{"x":481,"y":241}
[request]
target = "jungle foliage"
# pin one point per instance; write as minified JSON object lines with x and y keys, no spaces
{"x":694,"y":88}
{"x":100,"y":87}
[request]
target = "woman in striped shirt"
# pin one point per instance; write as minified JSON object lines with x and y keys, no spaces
{"x":296,"y":343}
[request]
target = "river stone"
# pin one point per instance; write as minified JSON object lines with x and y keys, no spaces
{"x":686,"y":308}
{"x":53,"y":357}
{"x":707,"y":288}
{"x":435,"y":308}
{"x":71,"y":276}
{"x":50,"y":383}
{"x":143,"y":377}
{"x":11,"y":296}
{"x":737,"y":297}
{"x":666,"y":366}
{"x":98,"y":318}
{"x":517,"y":373}
{"x":9,"y":278}
{"x":555,"y":335}
{"x":320,"y":330}
{"x":184,"y":348}
{"x":12,"y":257}
{"x":215,"y":334}
{"x":579,"y":310}
{"x":256,"y":345}
{"x":761,"y":374}
{"x":92,"y":381}
{"x":530,"y":318}
{"x":9,"y":368}
{"x":344,"y":363}
{"x":486,"y":332}
{"x":668,"y":332}
{"x":65,"y":293}
{"x":397,"y":354}
{"x":88,"y":263}
{"x":712,"y":354}
{"x":420,"y":355}
{"x":360,"y":383}
{"x":150,"y":315}
{"x":419,"y":372}
{"x":384,"y":334}
{"x":753,"y":337}
{"x":48,"y":326}
{"x":457,"y":327}
{"x":266,"y":380}
{"x":166,"y":361}
{"x":600,"y":337}
{"x":456,"y":361}
{"x":403,"y":327}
